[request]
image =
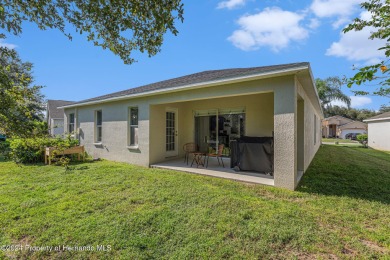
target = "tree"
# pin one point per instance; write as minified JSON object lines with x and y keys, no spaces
{"x":21,"y":103}
{"x":351,"y":113}
{"x":120,"y":26}
{"x":380,"y":25}
{"x":330,"y":90}
{"x":384,"y":109}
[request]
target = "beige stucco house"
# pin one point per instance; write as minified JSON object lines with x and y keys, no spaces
{"x":379,"y":131}
{"x":339,"y":127}
{"x":150,"y":124}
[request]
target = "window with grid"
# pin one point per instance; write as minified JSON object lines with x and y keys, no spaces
{"x":98,"y":126}
{"x":170,"y":131}
{"x":71,"y":123}
{"x":133,"y":126}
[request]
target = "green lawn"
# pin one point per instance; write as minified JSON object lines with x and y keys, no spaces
{"x":341,"y":210}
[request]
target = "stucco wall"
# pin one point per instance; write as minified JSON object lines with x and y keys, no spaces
{"x":114,"y":145}
{"x":285,"y":140}
{"x":311,"y":144}
{"x":379,"y":135}
{"x":294,"y":131}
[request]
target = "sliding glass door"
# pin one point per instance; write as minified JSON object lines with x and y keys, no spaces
{"x":218,"y":126}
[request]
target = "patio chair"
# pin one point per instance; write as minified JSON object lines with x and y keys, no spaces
{"x":189,"y":148}
{"x":218,"y":155}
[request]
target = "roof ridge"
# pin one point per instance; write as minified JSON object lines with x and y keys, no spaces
{"x":60,"y":100}
{"x":195,"y":78}
{"x":353,"y":121}
{"x":380,"y":116}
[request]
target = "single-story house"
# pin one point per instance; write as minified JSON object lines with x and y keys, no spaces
{"x":150,"y":124}
{"x":379,"y":131}
{"x":339,"y":127}
{"x":55,"y":116}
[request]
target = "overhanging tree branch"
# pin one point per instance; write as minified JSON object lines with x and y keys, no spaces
{"x":120,"y":26}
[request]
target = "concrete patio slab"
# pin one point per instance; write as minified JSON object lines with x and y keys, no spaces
{"x":215,"y":170}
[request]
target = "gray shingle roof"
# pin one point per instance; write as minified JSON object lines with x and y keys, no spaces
{"x":384,"y":115}
{"x":52,"y":109}
{"x":201,"y":77}
{"x":328,"y":118}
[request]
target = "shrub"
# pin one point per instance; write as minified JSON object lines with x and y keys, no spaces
{"x":5,"y":148}
{"x":31,"y":150}
{"x":363,"y":138}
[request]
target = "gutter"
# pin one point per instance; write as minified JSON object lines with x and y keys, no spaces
{"x":193,"y":86}
{"x":376,"y":119}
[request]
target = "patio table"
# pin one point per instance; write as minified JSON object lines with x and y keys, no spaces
{"x":198,"y":156}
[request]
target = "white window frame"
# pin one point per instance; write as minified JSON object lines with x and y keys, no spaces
{"x":71,"y":124}
{"x":97,"y":141}
{"x":133,"y":144}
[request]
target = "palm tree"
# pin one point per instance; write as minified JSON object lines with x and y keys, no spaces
{"x":330,"y":90}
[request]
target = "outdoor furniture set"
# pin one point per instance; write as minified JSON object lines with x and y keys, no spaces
{"x":202,"y":158}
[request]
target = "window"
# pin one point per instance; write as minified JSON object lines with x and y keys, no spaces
{"x":98,"y":126}
{"x":315,"y":129}
{"x":71,"y":123}
{"x":133,"y":126}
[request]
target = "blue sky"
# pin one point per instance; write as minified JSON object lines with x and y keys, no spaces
{"x":215,"y":34}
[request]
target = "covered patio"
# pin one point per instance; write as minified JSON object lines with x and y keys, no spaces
{"x":215,"y":170}
{"x":208,"y":123}
{"x":276,"y":108}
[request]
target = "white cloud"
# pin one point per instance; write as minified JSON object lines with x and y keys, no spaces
{"x":340,"y":9}
{"x":356,"y":46}
{"x":360,"y":101}
{"x":231,"y":4}
{"x":356,"y":102}
{"x":7,"y":45}
{"x":272,"y":27}
{"x":314,"y":23}
{"x":366,"y":15}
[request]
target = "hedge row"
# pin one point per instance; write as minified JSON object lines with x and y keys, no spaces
{"x":31,"y":150}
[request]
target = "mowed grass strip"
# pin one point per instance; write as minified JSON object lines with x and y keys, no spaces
{"x":333,"y":140}
{"x":341,"y":210}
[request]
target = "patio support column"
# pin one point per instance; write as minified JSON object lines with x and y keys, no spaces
{"x":285,"y":136}
{"x":143,"y":134}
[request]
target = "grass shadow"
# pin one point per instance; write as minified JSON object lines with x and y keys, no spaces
{"x":355,"y":172}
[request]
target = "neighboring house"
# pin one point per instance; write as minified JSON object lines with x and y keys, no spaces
{"x":150,"y":124}
{"x":339,"y":127}
{"x":379,"y":131}
{"x":55,"y":116}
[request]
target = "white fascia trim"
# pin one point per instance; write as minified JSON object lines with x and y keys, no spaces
{"x":193,"y":86}
{"x":377,"y":119}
